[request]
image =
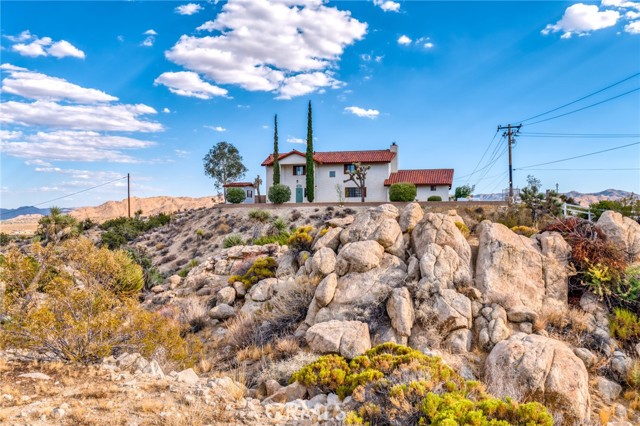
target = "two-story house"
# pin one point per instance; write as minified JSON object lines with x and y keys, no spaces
{"x":332,"y":169}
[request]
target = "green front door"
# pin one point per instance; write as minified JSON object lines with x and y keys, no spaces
{"x":299,"y":195}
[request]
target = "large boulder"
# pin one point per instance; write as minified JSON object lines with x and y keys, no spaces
{"x":359,"y":256}
{"x":440,"y":229}
{"x":331,"y":239}
{"x":448,"y":309}
{"x":323,"y":261}
{"x":348,"y":338}
{"x":534,"y":367}
{"x":514,"y":270}
{"x":623,"y":231}
{"x":442,"y":267}
{"x":410,"y":215}
{"x":400,"y":311}
{"x":326,"y":290}
{"x":377,"y":224}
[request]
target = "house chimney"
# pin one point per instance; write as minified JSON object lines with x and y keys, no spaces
{"x":394,"y":162}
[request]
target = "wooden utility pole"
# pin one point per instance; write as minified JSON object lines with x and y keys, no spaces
{"x":511,"y":132}
{"x":129,"y":195}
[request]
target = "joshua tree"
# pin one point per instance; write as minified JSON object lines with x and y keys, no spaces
{"x":359,"y":177}
{"x":256,"y":184}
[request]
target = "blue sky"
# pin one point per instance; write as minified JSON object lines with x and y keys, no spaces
{"x":94,"y":90}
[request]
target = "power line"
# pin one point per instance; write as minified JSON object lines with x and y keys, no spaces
{"x":623,"y":169}
{"x":580,"y":135}
{"x":481,"y":168}
{"x":483,"y":155}
{"x":583,"y":98}
{"x":583,"y":108}
{"x":579,"y":156}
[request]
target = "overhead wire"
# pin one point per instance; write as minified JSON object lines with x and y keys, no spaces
{"x":483,"y":155}
{"x":578,"y":156}
{"x":582,"y":98}
{"x":579,"y":135}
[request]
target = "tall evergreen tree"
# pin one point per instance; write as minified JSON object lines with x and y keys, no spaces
{"x":310,"y":163}
{"x":276,"y":154}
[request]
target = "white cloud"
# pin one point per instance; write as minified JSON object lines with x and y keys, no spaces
{"x":264,"y":126}
{"x":287,"y":47}
{"x":37,"y":163}
{"x":387,"y":5}
{"x":633,"y":27}
{"x":188,"y":9}
{"x":582,"y":19}
{"x":122,"y":118}
{"x":216,"y":128}
{"x":94,"y":175}
{"x":361,"y":112}
{"x":72,"y":146}
{"x":181,"y":153}
{"x":63,"y":48}
{"x":166,"y":110}
{"x":632,"y":15}
{"x":429,"y":45}
{"x":300,"y":141}
{"x":379,"y":59}
{"x":404,"y":40}
{"x":9,"y":134}
{"x":187,"y":83}
{"x":151,"y":38}
{"x":34,"y":85}
{"x":150,"y":32}
{"x":120,"y":38}
{"x":44,"y":46}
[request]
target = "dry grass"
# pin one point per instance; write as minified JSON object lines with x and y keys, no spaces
{"x":150,"y":405}
{"x":196,"y":414}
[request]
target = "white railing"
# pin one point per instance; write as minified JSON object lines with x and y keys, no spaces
{"x":576,"y":210}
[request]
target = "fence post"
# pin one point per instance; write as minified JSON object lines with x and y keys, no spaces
{"x":564,"y":209}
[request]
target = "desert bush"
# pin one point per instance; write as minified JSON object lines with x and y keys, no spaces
{"x":185,"y":271}
{"x":464,"y":230}
{"x":301,"y":239}
{"x":262,"y":268}
{"x":394,"y":384}
{"x":527,"y":231}
{"x":232,"y":241}
{"x":235,"y":195}
{"x":279,"y":194}
{"x":282,"y":239}
{"x":402,"y":192}
{"x":121,"y":230}
{"x":5,"y":239}
{"x":625,"y":326}
{"x":280,"y":225}
{"x":281,"y":371}
{"x":152,"y":276}
{"x":57,"y":318}
{"x":258,"y":215}
{"x":434,"y":198}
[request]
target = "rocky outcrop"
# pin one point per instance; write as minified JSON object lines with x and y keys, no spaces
{"x":331,"y":239}
{"x":359,"y":256}
{"x":516,"y":271}
{"x":377,"y":224}
{"x":410,"y":215}
{"x":623,"y":231}
{"x":441,"y":268}
{"x":323,"y":261}
{"x":400,"y":311}
{"x":536,"y":367}
{"x":348,"y":338}
{"x":440,"y":229}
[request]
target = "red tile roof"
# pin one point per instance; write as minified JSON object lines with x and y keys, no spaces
{"x":422,"y":177}
{"x":237,"y":184}
{"x":342,"y":157}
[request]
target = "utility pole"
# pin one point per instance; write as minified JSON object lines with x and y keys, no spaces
{"x":511,"y":132}
{"x":129,"y":195}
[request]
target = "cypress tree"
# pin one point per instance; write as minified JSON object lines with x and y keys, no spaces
{"x":276,"y":154}
{"x":310,"y":163}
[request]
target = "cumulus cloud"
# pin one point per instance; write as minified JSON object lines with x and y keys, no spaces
{"x":151,"y":38}
{"x":582,"y":19}
{"x":216,"y":128}
{"x":295,"y":140}
{"x":387,"y":5}
{"x":286,"y":47}
{"x":34,"y":85}
{"x":633,"y":27}
{"x":404,"y":40}
{"x":166,"y":110}
{"x":73,"y":146}
{"x":181,"y":153}
{"x":120,"y":118}
{"x":30,"y":45}
{"x":150,"y":32}
{"x":361,"y":112}
{"x":187,"y":83}
{"x":188,"y":9}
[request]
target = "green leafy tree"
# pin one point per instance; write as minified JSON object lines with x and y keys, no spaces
{"x":276,"y":154}
{"x":464,"y":191}
{"x":223,"y":163}
{"x":310,"y":163}
{"x":235,"y":195}
{"x":279,"y":194}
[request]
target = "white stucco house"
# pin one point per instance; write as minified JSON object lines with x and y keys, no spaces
{"x":332,"y":169}
{"x":247,"y":187}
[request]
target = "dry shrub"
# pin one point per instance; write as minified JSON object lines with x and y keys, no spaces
{"x":573,"y":325}
{"x":194,"y":313}
{"x":281,"y":371}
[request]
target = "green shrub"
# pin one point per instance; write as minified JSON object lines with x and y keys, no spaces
{"x":402,"y":192}
{"x":4,"y":239}
{"x":235,"y":195}
{"x":625,"y":326}
{"x":434,"y":198}
{"x":260,"y":215}
{"x":301,"y":239}
{"x":185,"y":271}
{"x":629,"y":288}
{"x":282,"y":239}
{"x":464,"y":230}
{"x":232,"y":241}
{"x":393,"y":384}
{"x":527,"y":231}
{"x":121,"y":230}
{"x":279,"y":194}
{"x":280,"y":225}
{"x":262,"y":268}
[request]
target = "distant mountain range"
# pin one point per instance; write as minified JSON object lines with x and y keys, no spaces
{"x":6,"y":214}
{"x":584,"y":199}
